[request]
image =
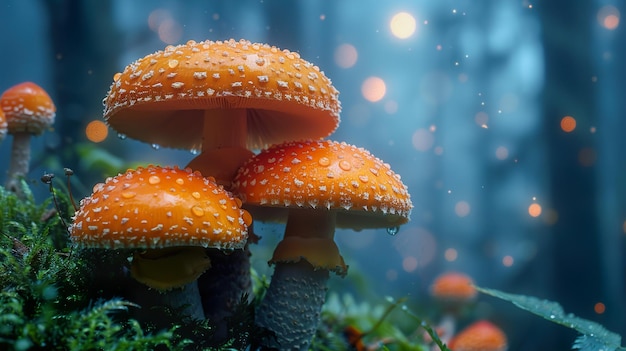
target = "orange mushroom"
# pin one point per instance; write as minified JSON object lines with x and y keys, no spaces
{"x":453,"y":288}
{"x":170,"y":215}
{"x":481,"y":335}
{"x":221,"y":98}
{"x":3,"y":125}
{"x":28,"y":110}
{"x":316,"y":186}
{"x":453,"y":291}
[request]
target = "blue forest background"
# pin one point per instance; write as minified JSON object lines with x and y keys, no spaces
{"x":473,"y":104}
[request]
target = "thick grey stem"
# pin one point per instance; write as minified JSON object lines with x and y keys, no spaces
{"x":292,"y":305}
{"x":223,"y":285}
{"x":20,"y":160}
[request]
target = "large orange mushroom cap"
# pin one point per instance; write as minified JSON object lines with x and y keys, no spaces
{"x":481,"y":335}
{"x":324,"y":175}
{"x":163,"y":98}
{"x":158,"y":207}
{"x":27,"y":108}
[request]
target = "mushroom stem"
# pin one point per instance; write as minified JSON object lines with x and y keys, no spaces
{"x":223,"y":286}
{"x":224,"y":128}
{"x":292,"y":305}
{"x":293,"y":302}
{"x":20,"y":160}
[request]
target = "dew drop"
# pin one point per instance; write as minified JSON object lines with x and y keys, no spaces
{"x":197,"y":211}
{"x":194,"y":151}
{"x":393,"y":230}
{"x":196,"y":195}
{"x":117,"y":76}
{"x":154,"y":180}
{"x":345,"y":165}
{"x":128,"y":194}
{"x":172,"y":63}
{"x":324,"y":161}
{"x":156,"y":146}
{"x":121,"y":136}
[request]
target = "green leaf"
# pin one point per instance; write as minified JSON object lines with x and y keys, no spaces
{"x":593,"y":336}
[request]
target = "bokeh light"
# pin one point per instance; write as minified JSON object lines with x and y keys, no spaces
{"x":462,"y":209}
{"x":451,"y":254}
{"x":96,"y":131}
{"x":608,"y":17}
{"x":417,"y":246}
{"x":162,"y":22}
{"x":507,"y":261}
{"x":568,"y":124}
{"x":402,"y":25}
{"x":587,"y":157}
{"x":373,"y":89}
{"x":599,"y":308}
{"x":346,"y":55}
{"x":422,"y":140}
{"x":502,"y":153}
{"x":534,"y":210}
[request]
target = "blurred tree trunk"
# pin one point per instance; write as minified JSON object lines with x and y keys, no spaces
{"x":610,"y":54}
{"x":86,"y":47}
{"x":569,"y":90}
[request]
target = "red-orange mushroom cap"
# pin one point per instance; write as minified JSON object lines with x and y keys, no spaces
{"x":481,"y":335}
{"x":28,"y":108}
{"x":324,"y":175}
{"x":159,"y":207}
{"x":166,"y":97}
{"x":453,"y":287}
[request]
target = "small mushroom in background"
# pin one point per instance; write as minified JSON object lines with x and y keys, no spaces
{"x":169,"y":216}
{"x":3,"y":126}
{"x":481,"y":335}
{"x":222,"y":99}
{"x":28,"y":110}
{"x":316,"y":186}
{"x":452,"y":291}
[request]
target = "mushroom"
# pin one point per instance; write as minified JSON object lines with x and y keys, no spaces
{"x":28,"y":110}
{"x":316,"y":186}
{"x":222,"y":98}
{"x":169,"y":216}
{"x":481,"y":335}
{"x":3,"y":125}
{"x":453,"y":291}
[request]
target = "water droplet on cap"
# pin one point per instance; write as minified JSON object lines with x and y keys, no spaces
{"x":393,"y":230}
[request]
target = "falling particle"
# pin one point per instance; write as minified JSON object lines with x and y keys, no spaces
{"x":507,"y":261}
{"x":322,"y":17}
{"x":393,"y":231}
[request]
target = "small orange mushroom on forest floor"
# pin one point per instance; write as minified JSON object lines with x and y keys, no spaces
{"x":28,"y":110}
{"x":3,"y":125}
{"x":169,"y":216}
{"x":452,"y":291}
{"x":221,"y":99}
{"x":481,"y":335}
{"x":316,"y":186}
